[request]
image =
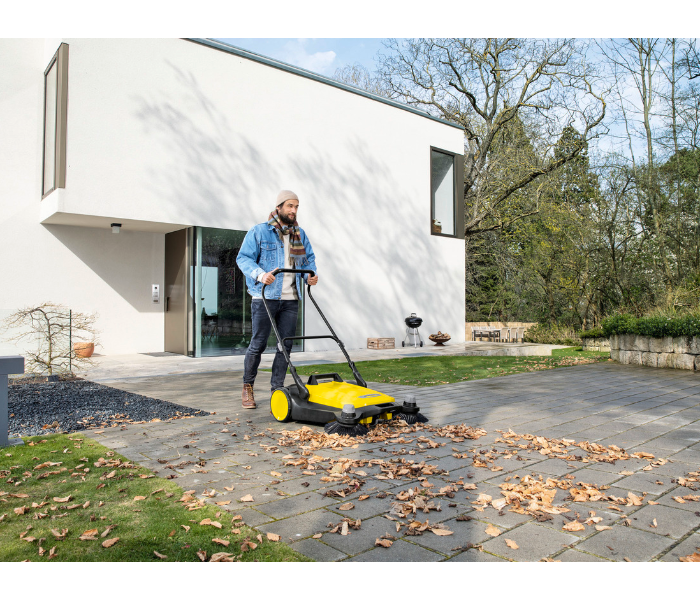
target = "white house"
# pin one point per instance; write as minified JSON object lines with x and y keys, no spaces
{"x":131,"y":170}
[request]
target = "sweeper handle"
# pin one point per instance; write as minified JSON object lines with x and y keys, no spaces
{"x":303,"y":392}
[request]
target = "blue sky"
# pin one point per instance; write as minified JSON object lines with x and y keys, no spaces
{"x":321,"y":55}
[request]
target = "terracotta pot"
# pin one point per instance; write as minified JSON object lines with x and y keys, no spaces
{"x":84,"y":349}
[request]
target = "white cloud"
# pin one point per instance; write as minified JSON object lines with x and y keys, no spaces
{"x":295,"y":53}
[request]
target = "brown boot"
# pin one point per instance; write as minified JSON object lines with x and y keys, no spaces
{"x":248,"y":399}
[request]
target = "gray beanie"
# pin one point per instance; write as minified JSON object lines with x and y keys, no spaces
{"x":285,"y":195}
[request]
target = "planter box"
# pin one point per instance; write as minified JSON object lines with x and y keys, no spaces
{"x":670,"y":353}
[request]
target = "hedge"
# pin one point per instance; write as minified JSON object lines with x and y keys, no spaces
{"x":592,"y":333}
{"x":657,"y":326}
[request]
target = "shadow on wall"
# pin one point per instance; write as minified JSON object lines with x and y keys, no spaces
{"x":128,"y":262}
{"x":381,"y":266}
{"x":211,"y":179}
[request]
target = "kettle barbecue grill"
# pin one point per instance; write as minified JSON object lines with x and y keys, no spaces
{"x":412,"y":336}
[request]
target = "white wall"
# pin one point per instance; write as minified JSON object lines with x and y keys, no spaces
{"x":86,"y":269}
{"x":172,"y":131}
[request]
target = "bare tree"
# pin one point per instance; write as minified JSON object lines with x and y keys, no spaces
{"x":358,"y":76}
{"x":52,"y":327}
{"x":485,"y":85}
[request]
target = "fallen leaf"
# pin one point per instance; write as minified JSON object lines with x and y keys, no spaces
{"x":247,"y":498}
{"x":139,"y":497}
{"x":109,"y":543}
{"x":344,"y":528}
{"x":208,"y":521}
{"x":185,"y":527}
{"x":653,"y":524}
{"x":220,"y":541}
{"x":363,"y":497}
{"x":442,"y":532}
{"x":159,"y":555}
{"x":602,"y":527}
{"x":221,"y":557}
{"x":511,"y":544}
{"x":202,"y":555}
{"x":52,"y":553}
{"x":383,"y":543}
{"x":273,"y":537}
{"x":694,"y":557}
{"x":275,"y":474}
{"x":574,"y":526}
{"x":346,"y":506}
{"x":224,"y":502}
{"x":228,"y":489}
{"x":317,"y":536}
{"x":62,"y":500}
{"x":493,"y":531}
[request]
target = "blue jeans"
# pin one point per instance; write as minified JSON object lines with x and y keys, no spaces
{"x":284,"y":312}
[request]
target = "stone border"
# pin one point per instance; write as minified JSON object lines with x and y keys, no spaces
{"x":597,"y":344}
{"x":667,"y":352}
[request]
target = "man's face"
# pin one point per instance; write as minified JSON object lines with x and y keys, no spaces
{"x":288,"y":211}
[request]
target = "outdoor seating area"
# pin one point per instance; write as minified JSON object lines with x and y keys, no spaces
{"x":498,"y":334}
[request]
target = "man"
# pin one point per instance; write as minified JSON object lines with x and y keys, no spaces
{"x":278,"y":243}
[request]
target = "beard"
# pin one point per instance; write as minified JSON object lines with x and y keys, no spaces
{"x":286,"y":219}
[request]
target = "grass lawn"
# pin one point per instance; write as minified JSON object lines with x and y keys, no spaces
{"x":436,"y":370}
{"x":46,"y":508}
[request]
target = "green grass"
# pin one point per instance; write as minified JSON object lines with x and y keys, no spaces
{"x":437,"y":370}
{"x":142,"y":526}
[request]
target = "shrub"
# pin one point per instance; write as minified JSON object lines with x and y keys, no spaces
{"x":548,"y":334}
{"x":653,"y":326}
{"x":592,"y":333}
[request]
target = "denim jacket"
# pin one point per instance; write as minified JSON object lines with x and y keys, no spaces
{"x":262,"y":251}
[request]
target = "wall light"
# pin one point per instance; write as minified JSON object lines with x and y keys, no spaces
{"x":116,"y":227}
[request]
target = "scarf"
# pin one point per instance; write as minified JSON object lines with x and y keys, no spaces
{"x":297,"y":252}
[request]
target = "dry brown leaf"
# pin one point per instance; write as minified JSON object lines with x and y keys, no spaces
{"x":62,"y":500}
{"x":574,"y":526}
{"x":275,"y":474}
{"x":602,"y":527}
{"x":159,"y":555}
{"x":694,"y":557}
{"x":383,"y":543}
{"x":185,"y":527}
{"x":52,"y":553}
{"x":493,"y":531}
{"x":220,"y":541}
{"x":202,"y":555}
{"x":511,"y":544}
{"x":109,"y":543}
{"x":441,"y":532}
{"x":247,"y":498}
{"x":363,"y":497}
{"x":499,"y":503}
{"x":317,"y":536}
{"x":654,"y":524}
{"x":223,"y":503}
{"x":221,"y":557}
{"x":346,"y":506}
{"x":139,"y":498}
{"x":228,"y":489}
{"x":273,"y":537}
{"x":208,"y":521}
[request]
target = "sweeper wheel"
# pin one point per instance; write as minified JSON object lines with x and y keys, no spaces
{"x":281,"y":405}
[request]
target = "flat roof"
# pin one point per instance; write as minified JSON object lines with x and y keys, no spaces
{"x":277,"y":64}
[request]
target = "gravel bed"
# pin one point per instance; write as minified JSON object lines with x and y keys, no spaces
{"x":77,"y":405}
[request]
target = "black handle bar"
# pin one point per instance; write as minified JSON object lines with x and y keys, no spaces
{"x":303,"y":392}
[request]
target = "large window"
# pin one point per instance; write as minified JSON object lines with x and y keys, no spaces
{"x":446,"y":202}
{"x":55,"y":116}
{"x":222,"y":306}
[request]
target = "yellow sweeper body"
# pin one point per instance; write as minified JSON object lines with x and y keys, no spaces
{"x":333,"y":394}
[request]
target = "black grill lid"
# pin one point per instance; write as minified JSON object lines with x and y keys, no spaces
{"x":413,"y":321}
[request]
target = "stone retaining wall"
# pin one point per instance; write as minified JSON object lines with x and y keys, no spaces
{"x":668,"y":352}
{"x":597,"y":344}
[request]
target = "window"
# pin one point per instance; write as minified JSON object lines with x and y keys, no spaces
{"x":446,"y":201}
{"x":55,"y":116}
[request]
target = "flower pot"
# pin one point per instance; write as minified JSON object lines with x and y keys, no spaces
{"x":83,"y":349}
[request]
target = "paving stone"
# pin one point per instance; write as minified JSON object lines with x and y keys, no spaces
{"x":363,"y":538}
{"x":399,"y":551}
{"x":293,"y":505}
{"x":554,"y":466}
{"x":594,"y":476}
{"x":632,"y":464}
{"x":318,"y":551}
{"x":691,"y":457}
{"x":558,"y":521}
{"x":680,"y":491}
{"x":250,"y":516}
{"x":475,"y":556}
{"x":301,"y":526}
{"x":644,"y":481}
{"x":465,"y":532}
{"x":576,"y":556}
{"x":365,"y":509}
{"x":671,"y":521}
{"x":534,"y":541}
{"x":626,"y":542}
{"x":690,"y":545}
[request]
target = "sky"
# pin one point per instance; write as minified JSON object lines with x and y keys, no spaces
{"x":320,"y":55}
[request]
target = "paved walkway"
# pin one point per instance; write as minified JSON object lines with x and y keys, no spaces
{"x":125,"y":366}
{"x":637,"y":408}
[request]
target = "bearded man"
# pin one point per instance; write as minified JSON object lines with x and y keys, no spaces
{"x":277,"y":243}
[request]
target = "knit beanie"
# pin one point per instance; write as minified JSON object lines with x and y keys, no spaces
{"x":285,"y":195}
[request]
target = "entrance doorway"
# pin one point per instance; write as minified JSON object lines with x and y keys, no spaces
{"x":176,"y":286}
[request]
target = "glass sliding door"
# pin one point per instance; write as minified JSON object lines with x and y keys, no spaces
{"x":221,"y":324}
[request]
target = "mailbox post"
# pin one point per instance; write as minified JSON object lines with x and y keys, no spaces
{"x":8,"y":365}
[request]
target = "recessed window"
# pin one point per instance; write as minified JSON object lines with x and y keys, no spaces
{"x":55,"y":116}
{"x":446,"y":204}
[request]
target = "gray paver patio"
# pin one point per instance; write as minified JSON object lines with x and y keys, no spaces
{"x":636,"y":408}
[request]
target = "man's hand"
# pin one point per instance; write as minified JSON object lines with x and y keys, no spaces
{"x":312,"y":280}
{"x":268,"y":278}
